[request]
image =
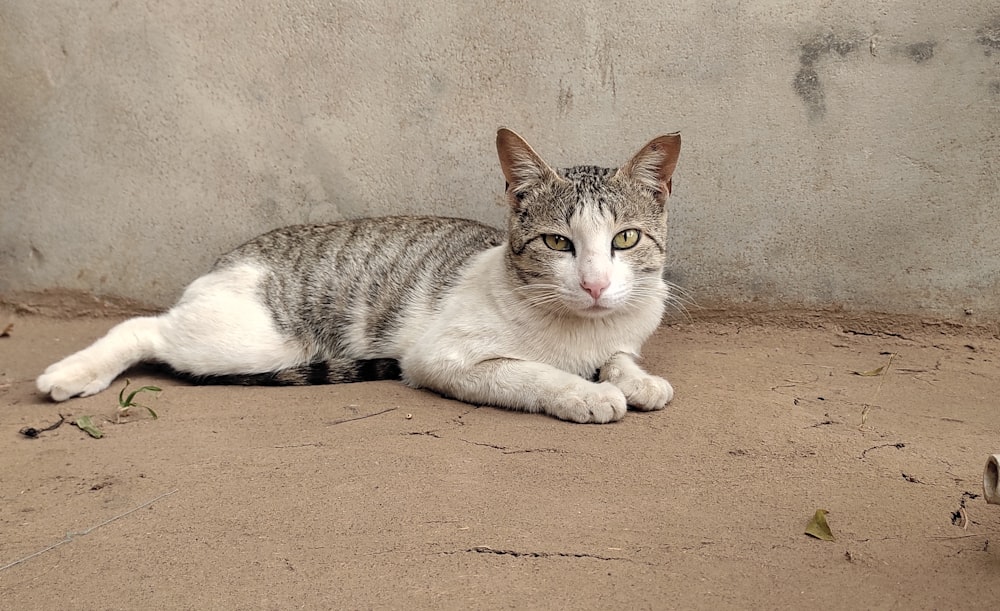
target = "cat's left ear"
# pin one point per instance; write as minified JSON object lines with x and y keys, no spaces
{"x":653,"y":166}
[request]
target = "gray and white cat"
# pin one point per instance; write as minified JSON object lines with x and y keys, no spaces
{"x":548,"y":316}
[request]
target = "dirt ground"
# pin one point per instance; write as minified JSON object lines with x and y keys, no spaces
{"x":378,"y":496}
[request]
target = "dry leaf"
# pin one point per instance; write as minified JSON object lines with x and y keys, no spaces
{"x":818,"y":526}
{"x":870,"y":374}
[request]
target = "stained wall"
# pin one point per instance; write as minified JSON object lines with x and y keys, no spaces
{"x":835,"y":154}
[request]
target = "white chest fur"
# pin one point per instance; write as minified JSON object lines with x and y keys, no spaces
{"x":483,"y":319}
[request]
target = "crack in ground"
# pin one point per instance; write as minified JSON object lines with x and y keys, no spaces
{"x":485,"y":549}
{"x":458,"y":419}
{"x":430,"y":433}
{"x":876,"y":334}
{"x":484,"y":445}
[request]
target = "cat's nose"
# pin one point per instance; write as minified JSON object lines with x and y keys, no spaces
{"x":595,"y":288}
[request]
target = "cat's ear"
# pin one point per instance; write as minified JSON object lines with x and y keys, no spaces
{"x":522,"y":167}
{"x":653,"y":166}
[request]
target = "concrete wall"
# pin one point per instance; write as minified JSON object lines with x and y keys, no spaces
{"x":835,"y":154}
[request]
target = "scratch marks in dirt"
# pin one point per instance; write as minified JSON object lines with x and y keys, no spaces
{"x":70,"y":536}
{"x":362,"y":417}
{"x":457,"y":423}
{"x":507,"y":450}
{"x":493,"y":446}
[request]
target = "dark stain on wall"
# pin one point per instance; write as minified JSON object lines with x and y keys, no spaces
{"x":920,"y":52}
{"x":807,"y":83}
{"x":989,"y":35}
{"x":564,"y":103}
{"x":606,"y":66}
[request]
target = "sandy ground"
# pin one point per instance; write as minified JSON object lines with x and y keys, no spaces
{"x":378,"y":496}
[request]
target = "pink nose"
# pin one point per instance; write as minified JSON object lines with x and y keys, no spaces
{"x":595,"y":288}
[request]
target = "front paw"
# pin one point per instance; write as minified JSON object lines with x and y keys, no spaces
{"x":646,"y":392}
{"x":598,"y":403}
{"x":72,"y":377}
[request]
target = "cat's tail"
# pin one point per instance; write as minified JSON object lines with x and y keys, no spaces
{"x":320,"y":372}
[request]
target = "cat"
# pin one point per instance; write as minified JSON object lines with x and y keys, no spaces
{"x":548,"y":316}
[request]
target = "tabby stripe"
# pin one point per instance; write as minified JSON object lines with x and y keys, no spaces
{"x":318,"y":373}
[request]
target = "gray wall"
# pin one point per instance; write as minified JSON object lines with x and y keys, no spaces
{"x":835,"y":154}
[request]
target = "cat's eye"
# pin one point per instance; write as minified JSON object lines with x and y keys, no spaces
{"x":624,"y":240}
{"x":557,"y":242}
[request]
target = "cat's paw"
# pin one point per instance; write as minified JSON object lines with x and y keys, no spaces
{"x":597,"y":403}
{"x":646,"y":392}
{"x":72,"y":377}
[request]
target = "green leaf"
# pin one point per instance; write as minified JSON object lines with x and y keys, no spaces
{"x":129,"y":401}
{"x":818,"y":526}
{"x":86,"y":424}
{"x":124,"y":403}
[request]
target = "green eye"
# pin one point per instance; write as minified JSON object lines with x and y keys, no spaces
{"x":557,"y":242}
{"x":624,"y":240}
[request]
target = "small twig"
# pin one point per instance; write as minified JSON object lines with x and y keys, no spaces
{"x":72,"y":535}
{"x":898,"y":446}
{"x":962,"y":513}
{"x":824,"y":423}
{"x":343,"y":420}
{"x":33,"y":432}
{"x":881,"y":380}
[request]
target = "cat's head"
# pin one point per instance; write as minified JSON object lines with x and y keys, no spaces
{"x":588,"y":240}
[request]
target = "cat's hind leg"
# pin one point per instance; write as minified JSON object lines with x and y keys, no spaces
{"x":222,"y":327}
{"x":92,"y":369}
{"x":219,"y":327}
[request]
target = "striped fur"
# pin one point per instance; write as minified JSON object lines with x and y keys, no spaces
{"x":346,"y":289}
{"x":318,"y":372}
{"x":472,"y":312}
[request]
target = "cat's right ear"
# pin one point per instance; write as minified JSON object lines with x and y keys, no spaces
{"x":522,"y":167}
